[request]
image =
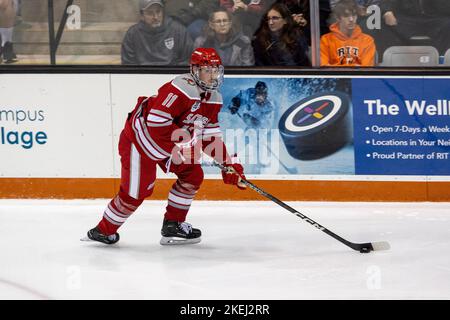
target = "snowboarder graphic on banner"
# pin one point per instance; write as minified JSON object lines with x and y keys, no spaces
{"x":257,"y":111}
{"x":254,"y":107}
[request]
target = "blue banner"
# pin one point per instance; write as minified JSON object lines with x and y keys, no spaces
{"x":401,"y":126}
{"x":338,"y":126}
{"x":289,"y":125}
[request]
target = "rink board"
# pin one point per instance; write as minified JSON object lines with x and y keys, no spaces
{"x":59,"y":136}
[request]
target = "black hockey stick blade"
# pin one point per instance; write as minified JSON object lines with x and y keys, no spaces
{"x":370,"y":246}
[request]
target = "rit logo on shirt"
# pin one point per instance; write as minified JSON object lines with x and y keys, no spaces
{"x":348,"y":55}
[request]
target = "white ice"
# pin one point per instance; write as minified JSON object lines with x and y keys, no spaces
{"x":249,"y":250}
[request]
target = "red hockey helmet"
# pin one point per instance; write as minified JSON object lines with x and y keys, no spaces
{"x":207,"y":60}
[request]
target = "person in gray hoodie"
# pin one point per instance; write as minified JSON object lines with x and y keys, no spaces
{"x":157,"y":39}
{"x":227,"y":39}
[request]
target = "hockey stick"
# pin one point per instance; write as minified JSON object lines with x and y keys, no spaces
{"x":361,"y":247}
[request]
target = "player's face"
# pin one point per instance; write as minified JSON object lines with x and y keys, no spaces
{"x":260,"y":98}
{"x":153,"y":16}
{"x":209,"y":74}
{"x":275,"y":21}
{"x":220,"y":23}
{"x":347,"y":22}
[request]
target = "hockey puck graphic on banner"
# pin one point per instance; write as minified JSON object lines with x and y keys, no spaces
{"x":317,"y":126}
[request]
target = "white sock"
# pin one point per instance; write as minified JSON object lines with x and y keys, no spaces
{"x":6,"y":35}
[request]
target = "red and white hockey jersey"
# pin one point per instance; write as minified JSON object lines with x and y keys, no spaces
{"x":179,"y":104}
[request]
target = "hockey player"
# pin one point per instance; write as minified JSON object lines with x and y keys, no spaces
{"x":346,"y":45}
{"x":170,"y":130}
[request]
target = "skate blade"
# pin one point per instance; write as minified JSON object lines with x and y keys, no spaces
{"x":171,"y":241}
{"x":86,"y":239}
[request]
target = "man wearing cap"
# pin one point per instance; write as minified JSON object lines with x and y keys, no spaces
{"x":157,"y":39}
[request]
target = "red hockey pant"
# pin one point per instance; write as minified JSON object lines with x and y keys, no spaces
{"x":138,"y":178}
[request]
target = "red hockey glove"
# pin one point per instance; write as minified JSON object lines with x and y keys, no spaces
{"x":234,"y":173}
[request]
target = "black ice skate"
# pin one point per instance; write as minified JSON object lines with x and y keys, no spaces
{"x":174,"y":232}
{"x":95,"y":235}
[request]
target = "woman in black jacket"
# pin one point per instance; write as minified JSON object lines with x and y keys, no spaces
{"x":278,"y":41}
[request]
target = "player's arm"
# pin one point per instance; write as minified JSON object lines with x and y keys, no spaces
{"x":163,"y":134}
{"x":213,"y":146}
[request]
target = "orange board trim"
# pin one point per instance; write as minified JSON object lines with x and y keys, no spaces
{"x":302,"y":190}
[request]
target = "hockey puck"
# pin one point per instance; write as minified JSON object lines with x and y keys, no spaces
{"x":365,"y":250}
{"x":317,"y":126}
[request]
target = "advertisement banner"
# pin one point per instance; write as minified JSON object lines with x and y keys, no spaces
{"x":285,"y":126}
{"x":296,"y":127}
{"x":339,"y":126}
{"x":402,"y":126}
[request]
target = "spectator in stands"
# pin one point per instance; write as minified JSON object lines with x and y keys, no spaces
{"x":300,"y":13}
{"x":369,"y":23}
{"x":408,"y":18}
{"x":248,"y":12}
{"x":346,"y":45}
{"x":193,"y":14}
{"x":7,"y":20}
{"x":278,"y":41}
{"x":362,"y":7}
{"x":157,"y":39}
{"x":364,"y":4}
{"x":225,"y":36}
{"x":300,"y":10}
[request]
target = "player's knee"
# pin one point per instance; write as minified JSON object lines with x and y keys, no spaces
{"x":192,"y":182}
{"x":125,"y":197}
{"x":197,"y":176}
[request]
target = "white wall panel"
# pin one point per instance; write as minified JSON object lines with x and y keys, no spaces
{"x":72,"y":110}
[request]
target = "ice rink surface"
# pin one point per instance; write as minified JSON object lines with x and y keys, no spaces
{"x":249,"y":250}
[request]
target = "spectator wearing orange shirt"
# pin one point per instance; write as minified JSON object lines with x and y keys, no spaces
{"x":346,"y":45}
